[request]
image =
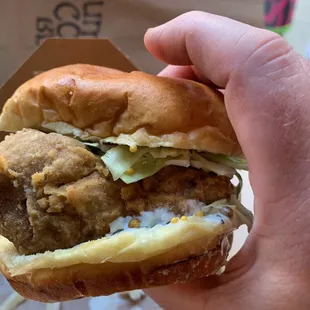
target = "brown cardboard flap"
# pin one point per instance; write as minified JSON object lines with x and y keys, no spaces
{"x":26,"y":24}
{"x":59,"y":52}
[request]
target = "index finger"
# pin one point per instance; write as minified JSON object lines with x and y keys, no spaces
{"x":214,"y":44}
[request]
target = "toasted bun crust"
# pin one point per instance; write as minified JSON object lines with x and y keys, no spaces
{"x":123,"y":108}
{"x":85,"y":280}
{"x":181,"y":240}
{"x":162,"y":255}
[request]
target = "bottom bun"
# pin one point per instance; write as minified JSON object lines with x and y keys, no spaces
{"x":86,"y":280}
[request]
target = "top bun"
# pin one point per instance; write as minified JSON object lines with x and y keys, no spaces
{"x":125,"y":108}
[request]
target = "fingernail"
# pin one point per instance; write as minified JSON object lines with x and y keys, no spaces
{"x":150,"y":30}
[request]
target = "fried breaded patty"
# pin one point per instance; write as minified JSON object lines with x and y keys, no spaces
{"x":55,"y":193}
{"x":175,"y":187}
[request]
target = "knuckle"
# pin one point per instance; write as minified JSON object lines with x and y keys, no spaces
{"x":192,"y":17}
{"x":272,"y":54}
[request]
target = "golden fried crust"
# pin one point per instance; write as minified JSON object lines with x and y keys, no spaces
{"x":53,"y":192}
{"x":174,"y":187}
{"x":84,"y":280}
{"x":59,"y":194}
{"x":125,"y":108}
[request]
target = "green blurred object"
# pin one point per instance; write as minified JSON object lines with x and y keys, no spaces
{"x":280,"y":30}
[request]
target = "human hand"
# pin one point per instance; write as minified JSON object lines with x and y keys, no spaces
{"x":267,"y":88}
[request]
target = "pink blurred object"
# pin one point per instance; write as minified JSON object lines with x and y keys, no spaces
{"x":279,"y":14}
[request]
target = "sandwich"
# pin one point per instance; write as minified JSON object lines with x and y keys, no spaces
{"x":113,"y":181}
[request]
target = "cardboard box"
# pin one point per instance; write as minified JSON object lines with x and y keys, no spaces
{"x":25,"y":24}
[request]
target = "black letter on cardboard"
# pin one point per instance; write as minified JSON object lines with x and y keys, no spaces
{"x":66,"y":5}
{"x":44,"y":27}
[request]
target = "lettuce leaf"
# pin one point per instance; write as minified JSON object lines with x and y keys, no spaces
{"x":240,"y":184}
{"x":119,"y":159}
{"x":143,"y":168}
{"x":147,"y":165}
{"x":200,"y":162}
{"x":244,"y":215}
{"x":98,"y":147}
{"x":230,"y":161}
{"x":163,"y":152}
{"x":146,"y":162}
{"x":92,"y":144}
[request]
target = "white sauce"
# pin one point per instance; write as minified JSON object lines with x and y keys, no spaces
{"x":161,"y":216}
